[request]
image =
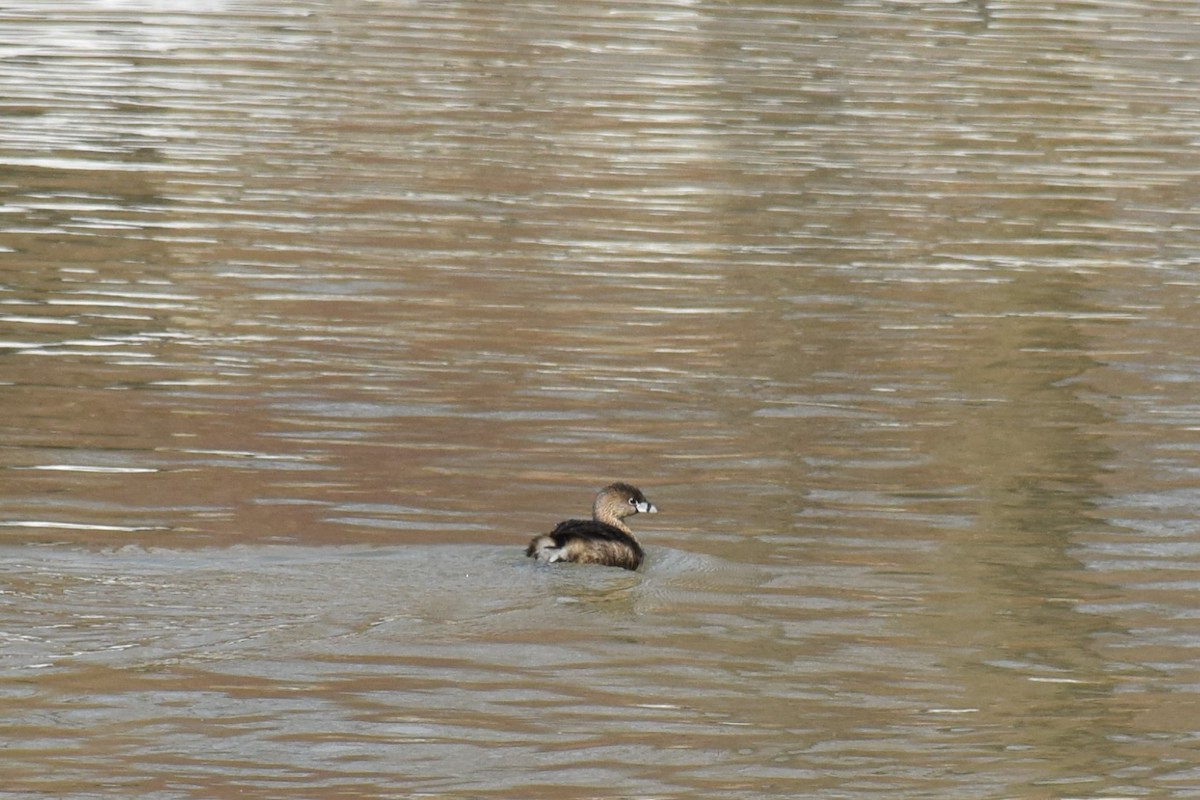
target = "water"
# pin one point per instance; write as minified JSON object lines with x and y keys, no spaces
{"x":311,"y":316}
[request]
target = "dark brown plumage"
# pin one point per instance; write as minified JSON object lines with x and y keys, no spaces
{"x":604,"y":539}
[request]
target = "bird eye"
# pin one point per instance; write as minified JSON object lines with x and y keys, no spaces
{"x":633,"y":501}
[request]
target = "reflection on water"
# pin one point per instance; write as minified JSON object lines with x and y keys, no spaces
{"x":309,"y":317}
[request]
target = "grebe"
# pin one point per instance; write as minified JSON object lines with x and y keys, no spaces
{"x":603,"y":539}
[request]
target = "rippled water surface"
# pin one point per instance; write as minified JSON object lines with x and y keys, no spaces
{"x":311,"y":314}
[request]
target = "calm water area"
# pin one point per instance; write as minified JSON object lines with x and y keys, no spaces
{"x":313,"y":313}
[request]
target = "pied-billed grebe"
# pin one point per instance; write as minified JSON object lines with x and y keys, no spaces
{"x":603,"y":539}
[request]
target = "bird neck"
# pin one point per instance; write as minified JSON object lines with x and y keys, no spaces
{"x":602,"y":513}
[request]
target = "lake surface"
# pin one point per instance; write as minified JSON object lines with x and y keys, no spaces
{"x":311,"y":314}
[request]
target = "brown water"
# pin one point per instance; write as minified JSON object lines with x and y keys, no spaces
{"x":312,"y":313}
